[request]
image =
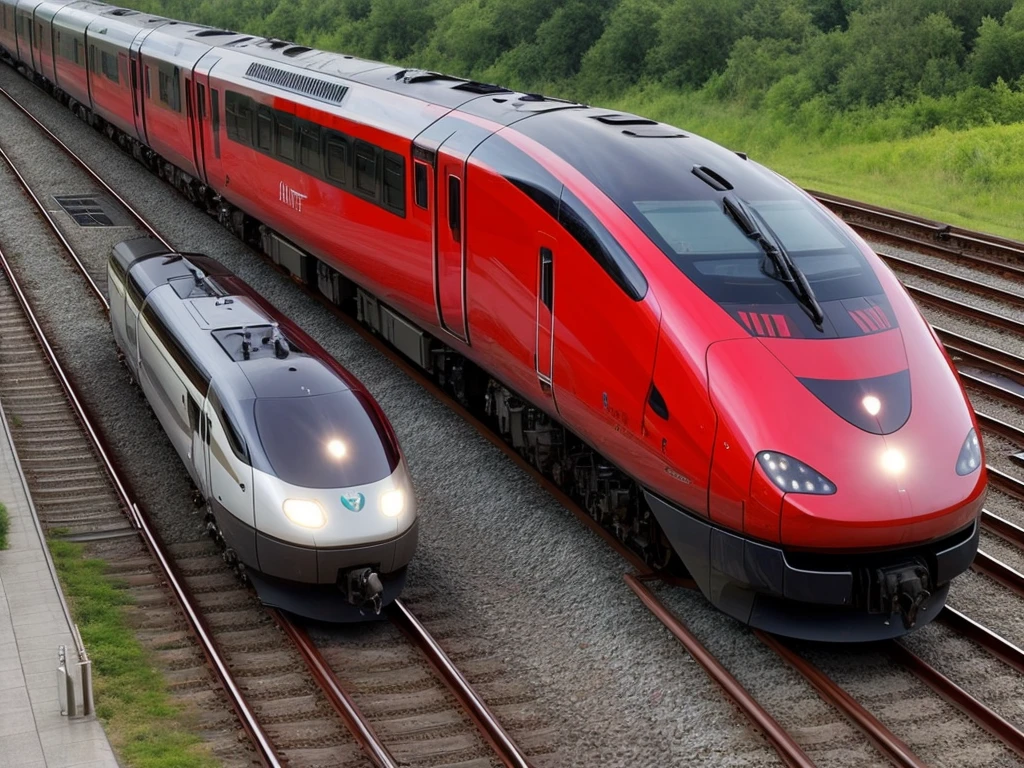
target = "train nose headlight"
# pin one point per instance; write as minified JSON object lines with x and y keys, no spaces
{"x":970,"y":455}
{"x":308,"y":514}
{"x":794,"y":476}
{"x":392,"y":503}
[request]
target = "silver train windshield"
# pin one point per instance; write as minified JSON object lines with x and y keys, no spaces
{"x":323,"y":441}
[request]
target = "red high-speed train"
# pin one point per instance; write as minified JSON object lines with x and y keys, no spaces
{"x":719,"y":368}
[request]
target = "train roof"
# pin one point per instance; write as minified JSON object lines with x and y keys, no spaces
{"x":197,"y":301}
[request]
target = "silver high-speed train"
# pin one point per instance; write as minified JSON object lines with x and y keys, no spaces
{"x":302,"y":474}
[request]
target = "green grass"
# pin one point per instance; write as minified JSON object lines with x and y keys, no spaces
{"x":972,"y":178}
{"x":145,"y":727}
{"x":5,"y":525}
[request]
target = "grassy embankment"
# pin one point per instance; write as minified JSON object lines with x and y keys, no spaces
{"x":4,"y":526}
{"x":146,"y":729}
{"x":972,"y":178}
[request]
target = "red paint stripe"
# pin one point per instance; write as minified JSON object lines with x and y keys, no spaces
{"x":757,"y":323}
{"x":858,"y":321}
{"x":883,"y":318}
{"x":782,"y":325}
{"x":767,"y":320}
{"x":746,"y":321}
{"x":867,"y":320}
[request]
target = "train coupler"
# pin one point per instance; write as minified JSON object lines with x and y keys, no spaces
{"x":364,"y":586}
{"x":905,"y":590}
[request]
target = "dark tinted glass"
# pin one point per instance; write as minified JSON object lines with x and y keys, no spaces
{"x":296,"y":434}
{"x":421,"y":185}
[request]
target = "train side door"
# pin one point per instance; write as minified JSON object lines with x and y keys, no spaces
{"x":205,"y":121}
{"x":192,"y":114}
{"x":230,"y":473}
{"x":136,"y":78}
{"x":450,"y":233}
{"x":198,"y":421}
{"x":544,"y":350}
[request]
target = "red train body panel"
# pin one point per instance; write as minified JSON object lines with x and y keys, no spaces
{"x":812,"y":460}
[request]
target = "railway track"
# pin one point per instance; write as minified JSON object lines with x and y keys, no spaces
{"x":448,"y":724}
{"x":790,"y":752}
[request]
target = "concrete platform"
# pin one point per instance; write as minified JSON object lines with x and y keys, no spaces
{"x":33,"y":623}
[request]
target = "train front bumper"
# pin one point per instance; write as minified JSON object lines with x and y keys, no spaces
{"x":835,"y":601}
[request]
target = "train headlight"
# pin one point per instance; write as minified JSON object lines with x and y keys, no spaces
{"x":970,"y":455}
{"x":794,"y":476}
{"x":308,"y":514}
{"x":392,"y":503}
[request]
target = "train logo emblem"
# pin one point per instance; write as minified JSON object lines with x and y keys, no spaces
{"x":290,"y":197}
{"x":353,"y":501}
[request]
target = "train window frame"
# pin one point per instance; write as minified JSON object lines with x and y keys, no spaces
{"x":264,"y":123}
{"x":108,"y":65}
{"x":309,"y":142}
{"x":235,"y":440}
{"x":169,"y":87}
{"x":215,"y":115}
{"x":333,"y":140}
{"x":364,"y":150}
{"x":421,"y":191}
{"x":393,"y":183}
{"x":283,"y":124}
{"x":238,"y":117}
{"x":454,"y":187}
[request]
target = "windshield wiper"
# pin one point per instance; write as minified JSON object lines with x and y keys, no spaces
{"x":786,"y":270}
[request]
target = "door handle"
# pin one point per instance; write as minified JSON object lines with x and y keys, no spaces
{"x":547,"y":277}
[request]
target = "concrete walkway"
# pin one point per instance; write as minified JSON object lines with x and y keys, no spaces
{"x":33,"y":733}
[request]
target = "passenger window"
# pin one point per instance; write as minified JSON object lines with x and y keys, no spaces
{"x":337,"y":160}
{"x":421,"y":183}
{"x":265,"y":129}
{"x":309,"y":148}
{"x":366,"y":169}
{"x":394,"y":183}
{"x":455,"y":207}
{"x":108,"y":63}
{"x":285,"y":137}
{"x":215,"y":108}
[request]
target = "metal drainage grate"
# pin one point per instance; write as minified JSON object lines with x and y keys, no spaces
{"x":85,"y":210}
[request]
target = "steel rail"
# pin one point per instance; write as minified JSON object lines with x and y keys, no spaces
{"x":343,"y":704}
{"x":261,"y":741}
{"x":509,"y":752}
{"x":1004,"y":529}
{"x":888,"y":743}
{"x":965,"y":283}
{"x":791,"y":753}
{"x":964,"y":310}
{"x":1000,"y":427}
{"x":980,"y":354}
{"x":53,"y":224}
{"x":1002,"y":649}
{"x":999,"y":572}
{"x":85,"y":167}
{"x":1006,"y":483}
{"x":985,"y":717}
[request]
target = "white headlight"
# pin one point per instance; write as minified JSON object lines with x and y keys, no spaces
{"x":392,"y":503}
{"x":308,"y":514}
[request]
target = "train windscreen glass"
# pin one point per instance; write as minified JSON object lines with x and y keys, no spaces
{"x":323,"y":441}
{"x":707,"y":245}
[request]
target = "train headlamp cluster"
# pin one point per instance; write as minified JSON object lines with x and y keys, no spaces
{"x":794,"y":476}
{"x":970,"y":455}
{"x":305,"y":513}
{"x":392,"y":502}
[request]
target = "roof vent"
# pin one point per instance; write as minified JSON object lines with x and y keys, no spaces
{"x":623,"y":119}
{"x":122,"y":12}
{"x":656,"y":131}
{"x":711,"y":178}
{"x":321,"y":90}
{"x":483,"y":88}
{"x":275,"y":44}
{"x":295,"y":50}
{"x":213,"y":33}
{"x":420,"y":76}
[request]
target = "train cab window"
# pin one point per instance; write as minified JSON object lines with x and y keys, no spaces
{"x":108,"y":63}
{"x":309,"y":148}
{"x":394,"y":183}
{"x":420,"y":174}
{"x":194,"y":414}
{"x":455,"y":207}
{"x":285,"y":137}
{"x":265,"y":129}
{"x":366,"y":170}
{"x":237,"y":445}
